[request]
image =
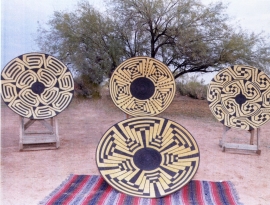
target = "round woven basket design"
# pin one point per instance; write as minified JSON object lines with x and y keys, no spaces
{"x":36,"y":85}
{"x":147,"y":157}
{"x":239,"y":96}
{"x":142,"y":86}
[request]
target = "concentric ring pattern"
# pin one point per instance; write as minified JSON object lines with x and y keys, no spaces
{"x":239,"y":96}
{"x":147,"y":156}
{"x":36,"y":85}
{"x":142,"y":86}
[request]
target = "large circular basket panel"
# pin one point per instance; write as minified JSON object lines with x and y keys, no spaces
{"x":147,"y":156}
{"x":239,"y":96}
{"x":142,"y":86}
{"x":36,"y":86}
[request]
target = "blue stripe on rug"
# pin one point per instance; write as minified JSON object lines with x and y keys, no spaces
{"x":222,"y":195}
{"x":86,"y":189}
{"x":73,"y":187}
{"x":113,"y":197}
{"x":192,"y":193}
{"x":98,"y":194}
{"x":207,"y":193}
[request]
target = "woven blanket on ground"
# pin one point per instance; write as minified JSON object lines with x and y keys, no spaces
{"x":93,"y":189}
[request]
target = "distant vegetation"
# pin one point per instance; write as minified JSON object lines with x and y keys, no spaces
{"x":186,"y":35}
{"x":85,"y":88}
{"x":191,"y":86}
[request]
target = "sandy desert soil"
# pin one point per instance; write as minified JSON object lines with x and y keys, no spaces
{"x":29,"y":176}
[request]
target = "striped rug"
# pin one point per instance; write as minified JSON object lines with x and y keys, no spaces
{"x":92,"y":190}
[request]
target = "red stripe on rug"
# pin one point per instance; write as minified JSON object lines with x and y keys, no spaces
{"x":104,"y":196}
{"x":93,"y":191}
{"x":136,"y":201}
{"x":61,"y":191}
{"x":215,"y":194}
{"x":79,"y":188}
{"x":185,"y":195}
{"x":167,"y":199}
{"x":152,"y":201}
{"x":229,"y":193}
{"x":121,"y":198}
{"x":199,"y":192}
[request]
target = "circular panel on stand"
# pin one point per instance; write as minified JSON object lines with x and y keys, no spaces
{"x":36,"y":86}
{"x":239,"y":96}
{"x":142,"y":86}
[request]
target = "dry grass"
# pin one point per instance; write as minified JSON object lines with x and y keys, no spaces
{"x":181,"y":106}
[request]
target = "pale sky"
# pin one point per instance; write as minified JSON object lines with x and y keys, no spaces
{"x":19,"y":21}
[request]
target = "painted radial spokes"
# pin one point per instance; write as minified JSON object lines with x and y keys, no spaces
{"x":36,"y":86}
{"x":239,"y":96}
{"x":147,"y":156}
{"x":142,"y":86}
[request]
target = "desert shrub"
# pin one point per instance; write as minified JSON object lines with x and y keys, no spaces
{"x":192,"y":87}
{"x":85,"y":88}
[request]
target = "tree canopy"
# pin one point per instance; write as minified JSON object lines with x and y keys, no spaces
{"x":186,"y":35}
{"x":84,"y":39}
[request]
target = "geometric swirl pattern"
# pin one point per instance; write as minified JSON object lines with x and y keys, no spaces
{"x":36,"y":85}
{"x":239,"y":96}
{"x":147,"y":156}
{"x":142,"y":86}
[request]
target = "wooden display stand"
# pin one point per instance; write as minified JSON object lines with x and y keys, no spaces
{"x":251,"y":146}
{"x":37,"y":140}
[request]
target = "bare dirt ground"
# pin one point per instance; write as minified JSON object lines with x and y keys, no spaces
{"x":29,"y":176}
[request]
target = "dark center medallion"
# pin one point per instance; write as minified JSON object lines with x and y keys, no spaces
{"x":38,"y":87}
{"x":240,"y":99}
{"x":147,"y":159}
{"x":142,"y":88}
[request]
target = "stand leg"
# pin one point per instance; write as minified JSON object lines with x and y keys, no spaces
{"x":252,"y":136}
{"x":36,"y":139}
{"x":21,"y":133}
{"x":222,"y":141}
{"x":258,"y":134}
{"x":250,"y":146}
{"x":56,"y":133}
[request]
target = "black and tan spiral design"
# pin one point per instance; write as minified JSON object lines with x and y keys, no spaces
{"x":36,"y":86}
{"x":147,"y":156}
{"x":142,"y":86}
{"x":239,"y":96}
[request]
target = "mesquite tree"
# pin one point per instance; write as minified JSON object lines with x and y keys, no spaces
{"x":186,"y":35}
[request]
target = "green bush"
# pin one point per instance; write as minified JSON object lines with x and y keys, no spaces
{"x":85,"y":88}
{"x":192,"y":87}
